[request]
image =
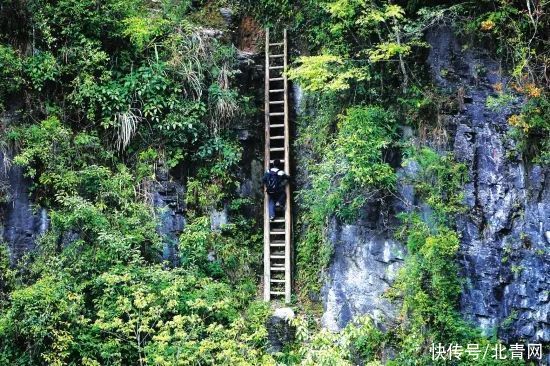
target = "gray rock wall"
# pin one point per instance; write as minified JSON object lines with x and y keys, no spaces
{"x":21,"y":222}
{"x":504,"y":255}
{"x":364,"y":264}
{"x":169,"y":201}
{"x":505,"y":250}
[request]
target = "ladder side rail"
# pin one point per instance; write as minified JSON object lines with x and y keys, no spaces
{"x":267,"y":250}
{"x":288,"y":233}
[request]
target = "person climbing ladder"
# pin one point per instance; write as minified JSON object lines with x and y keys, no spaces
{"x":277,"y":279}
{"x":275,"y":180}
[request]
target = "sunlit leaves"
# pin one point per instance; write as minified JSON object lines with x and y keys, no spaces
{"x":140,"y":314}
{"x":143,"y":30}
{"x":360,"y":339}
{"x":343,"y":8}
{"x":372,"y":15}
{"x":388,"y":50}
{"x":326,"y":73}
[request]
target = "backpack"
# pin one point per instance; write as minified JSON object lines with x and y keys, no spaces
{"x":273,"y":182}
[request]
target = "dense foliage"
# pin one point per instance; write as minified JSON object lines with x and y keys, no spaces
{"x":105,"y":94}
{"x":365,"y":54}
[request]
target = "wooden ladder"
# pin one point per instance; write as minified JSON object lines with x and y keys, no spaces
{"x":277,"y":233}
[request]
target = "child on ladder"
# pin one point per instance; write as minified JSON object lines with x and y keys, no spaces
{"x":275,"y":181}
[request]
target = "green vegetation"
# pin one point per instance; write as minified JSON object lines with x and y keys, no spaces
{"x":10,"y":73}
{"x":518,"y":35}
{"x":428,"y":286}
{"x":351,"y":170}
{"x":325,"y":73}
{"x":112,"y":91}
{"x":531,"y":127}
{"x":107,"y":92}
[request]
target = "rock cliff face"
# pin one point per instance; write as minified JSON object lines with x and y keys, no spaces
{"x":20,"y":221}
{"x":504,"y":254}
{"x":168,"y":199}
{"x":365,"y":262}
{"x":23,"y":223}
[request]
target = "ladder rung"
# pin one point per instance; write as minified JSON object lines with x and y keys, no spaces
{"x":276,"y":137}
{"x":277,"y":256}
{"x":276,"y":67}
{"x":276,"y":44}
{"x":276,"y":79}
{"x":277,"y":245}
{"x":277,"y":281}
{"x":276,"y":293}
{"x":281,"y":269}
{"x":277,"y":149}
{"x":281,"y":160}
{"x":277,"y":232}
{"x":276,"y":56}
{"x":276,"y":90}
{"x":277,"y":114}
{"x":278,"y":102}
{"x":278,"y":220}
{"x":277,"y":125}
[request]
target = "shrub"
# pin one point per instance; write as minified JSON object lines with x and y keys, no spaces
{"x":11,"y":78}
{"x":352,"y":170}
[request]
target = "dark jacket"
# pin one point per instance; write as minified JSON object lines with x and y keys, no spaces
{"x":284,"y":178}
